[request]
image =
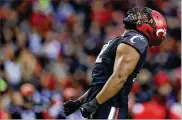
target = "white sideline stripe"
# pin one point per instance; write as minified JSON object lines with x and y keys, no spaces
{"x":112,"y":113}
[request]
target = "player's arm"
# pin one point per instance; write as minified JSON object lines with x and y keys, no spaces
{"x":71,"y":106}
{"x":126,"y":60}
{"x":82,"y":98}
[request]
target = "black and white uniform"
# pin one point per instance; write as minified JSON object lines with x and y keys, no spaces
{"x":117,"y":106}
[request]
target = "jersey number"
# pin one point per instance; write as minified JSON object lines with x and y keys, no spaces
{"x":99,"y":57}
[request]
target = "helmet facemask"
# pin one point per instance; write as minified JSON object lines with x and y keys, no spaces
{"x":137,"y":17}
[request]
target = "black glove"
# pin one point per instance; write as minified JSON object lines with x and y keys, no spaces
{"x":88,"y":108}
{"x":70,"y":106}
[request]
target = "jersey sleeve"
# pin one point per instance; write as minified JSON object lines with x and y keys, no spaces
{"x":136,"y":41}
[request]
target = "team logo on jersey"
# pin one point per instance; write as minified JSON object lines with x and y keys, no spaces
{"x":134,"y":37}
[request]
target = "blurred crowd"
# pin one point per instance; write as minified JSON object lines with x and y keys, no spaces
{"x":48,"y":50}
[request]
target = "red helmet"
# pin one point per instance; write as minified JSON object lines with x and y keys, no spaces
{"x":148,"y":22}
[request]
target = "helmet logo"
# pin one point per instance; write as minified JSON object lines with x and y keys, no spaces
{"x":161,"y":32}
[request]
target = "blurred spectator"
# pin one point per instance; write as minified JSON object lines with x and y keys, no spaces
{"x":13,"y":69}
{"x":49,"y":48}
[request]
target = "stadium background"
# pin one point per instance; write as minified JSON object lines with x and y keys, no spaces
{"x":53,"y":45}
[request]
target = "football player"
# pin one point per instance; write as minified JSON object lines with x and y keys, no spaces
{"x":117,"y":66}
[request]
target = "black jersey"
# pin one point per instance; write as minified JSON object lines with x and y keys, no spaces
{"x":105,"y":60}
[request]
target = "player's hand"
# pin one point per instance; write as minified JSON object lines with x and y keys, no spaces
{"x":70,"y":106}
{"x":89,"y":108}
